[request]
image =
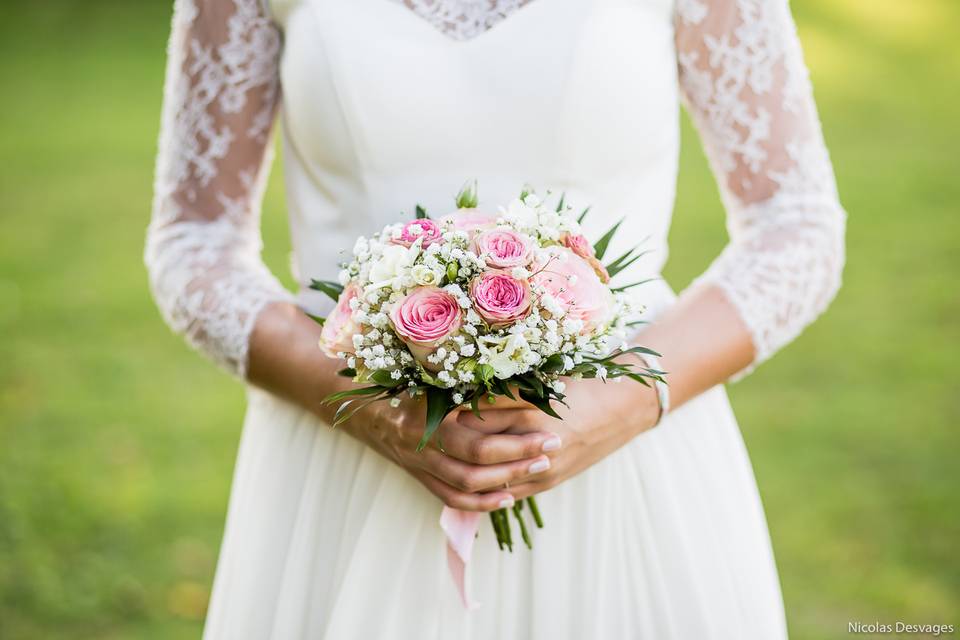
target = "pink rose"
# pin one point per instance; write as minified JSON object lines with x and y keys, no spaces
{"x":420,"y":228}
{"x":471,"y":219}
{"x":503,"y":248}
{"x":576,"y":287}
{"x":339,"y":327}
{"x":582,"y":247}
{"x":424,"y":319}
{"x":499,"y":298}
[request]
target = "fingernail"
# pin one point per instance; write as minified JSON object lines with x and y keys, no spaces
{"x":552,"y":444}
{"x":539,"y":466}
{"x":506,"y":503}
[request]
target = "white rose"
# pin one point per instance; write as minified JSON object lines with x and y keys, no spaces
{"x":424,"y":275}
{"x":520,"y":214}
{"x":393,"y":264}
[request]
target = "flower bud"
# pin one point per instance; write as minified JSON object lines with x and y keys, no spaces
{"x":452,"y":269}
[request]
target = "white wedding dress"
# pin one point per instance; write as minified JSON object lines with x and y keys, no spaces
{"x":389,"y":103}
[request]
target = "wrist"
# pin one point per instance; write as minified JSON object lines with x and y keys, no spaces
{"x":636,"y":406}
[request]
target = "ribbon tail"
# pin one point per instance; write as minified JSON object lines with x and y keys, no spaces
{"x":460,"y":528}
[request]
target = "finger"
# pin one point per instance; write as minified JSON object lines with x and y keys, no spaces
{"x":462,"y":500}
{"x":499,"y":421}
{"x":470,"y":445}
{"x":473,"y":478}
{"x":503,"y":402}
{"x":524,"y":490}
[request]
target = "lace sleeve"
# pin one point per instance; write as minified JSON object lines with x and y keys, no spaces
{"x":203,"y":243}
{"x":744,"y":82}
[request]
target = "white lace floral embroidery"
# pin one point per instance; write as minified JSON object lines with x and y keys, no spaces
{"x":203,"y":243}
{"x":463,"y":19}
{"x":745,"y":84}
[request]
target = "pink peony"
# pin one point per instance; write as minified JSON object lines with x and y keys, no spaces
{"x":584,"y":298}
{"x":499,"y":298}
{"x":582,"y":247}
{"x":339,"y":328}
{"x":424,"y":319}
{"x":420,"y":228}
{"x":471,"y":219}
{"x":503,"y":248}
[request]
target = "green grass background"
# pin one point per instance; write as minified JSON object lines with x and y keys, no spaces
{"x":117,"y":443}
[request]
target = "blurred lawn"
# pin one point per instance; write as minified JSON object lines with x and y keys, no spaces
{"x":117,"y":443}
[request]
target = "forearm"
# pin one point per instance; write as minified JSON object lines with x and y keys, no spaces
{"x":284,"y":358}
{"x":703,"y":341}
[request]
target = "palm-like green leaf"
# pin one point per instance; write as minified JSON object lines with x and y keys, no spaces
{"x":600,"y":247}
{"x":330,"y":288}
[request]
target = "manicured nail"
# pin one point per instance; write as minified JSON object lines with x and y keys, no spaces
{"x":506,"y":503}
{"x":552,"y":444}
{"x":539,"y":466}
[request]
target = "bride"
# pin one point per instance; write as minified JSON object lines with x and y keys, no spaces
{"x":654,"y":527}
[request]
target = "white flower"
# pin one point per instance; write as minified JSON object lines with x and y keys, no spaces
{"x":392,"y":265}
{"x":458,"y":398}
{"x":520,"y":214}
{"x":532,"y":200}
{"x":424,"y":275}
{"x":394,"y":402}
{"x":505,"y":354}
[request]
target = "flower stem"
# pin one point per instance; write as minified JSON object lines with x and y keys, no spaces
{"x":523,"y":527}
{"x":535,"y":511}
{"x":505,"y":525}
{"x":496,"y":528}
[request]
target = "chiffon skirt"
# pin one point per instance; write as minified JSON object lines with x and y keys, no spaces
{"x":666,"y":538}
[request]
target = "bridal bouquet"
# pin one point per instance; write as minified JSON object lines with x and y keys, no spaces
{"x":478,"y":304}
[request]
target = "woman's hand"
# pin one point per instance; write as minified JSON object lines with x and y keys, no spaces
{"x":474,"y":465}
{"x":600,"y":419}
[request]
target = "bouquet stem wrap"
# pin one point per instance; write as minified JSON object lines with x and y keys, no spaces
{"x":461,"y":529}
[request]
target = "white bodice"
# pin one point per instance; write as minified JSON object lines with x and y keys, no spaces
{"x":391,"y":103}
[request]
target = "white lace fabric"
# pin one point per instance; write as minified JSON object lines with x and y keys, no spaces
{"x":203,"y":243}
{"x":463,"y":19}
{"x":742,"y":77}
{"x":744,"y":81}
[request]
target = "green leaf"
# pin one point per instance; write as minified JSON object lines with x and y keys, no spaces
{"x":332,"y":289}
{"x":639,"y":378}
{"x":316,"y":319}
{"x":632,"y":284}
{"x":540,"y":403}
{"x":484,"y":372}
{"x":347,"y":372}
{"x":384,"y":379}
{"x":583,"y":215}
{"x":503,"y":388}
{"x":534,"y":382}
{"x":636,"y":323}
{"x":620,"y":264}
{"x":560,"y":204}
{"x":421,"y":212}
{"x":475,"y":404}
{"x":349,"y":393}
{"x":601,"y":247}
{"x":438,"y":406}
{"x":649,"y":352}
{"x":553,"y":364}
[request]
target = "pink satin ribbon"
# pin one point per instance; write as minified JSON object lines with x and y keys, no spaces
{"x":461,"y":530}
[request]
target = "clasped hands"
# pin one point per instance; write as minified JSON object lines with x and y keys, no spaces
{"x":515,"y":450}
